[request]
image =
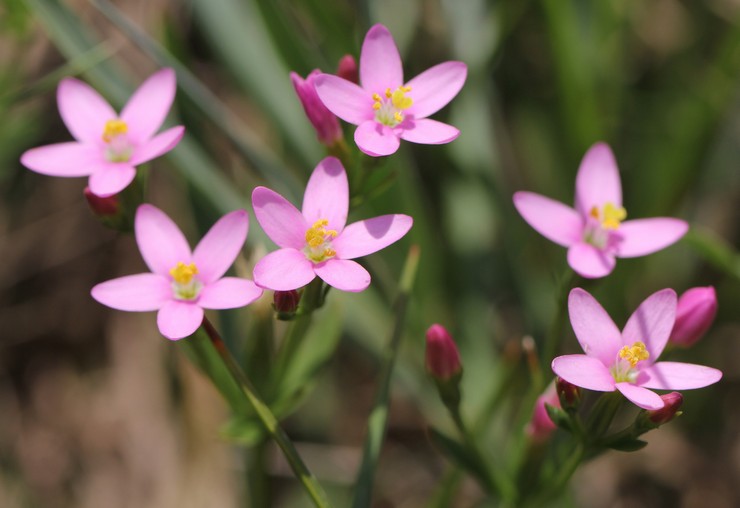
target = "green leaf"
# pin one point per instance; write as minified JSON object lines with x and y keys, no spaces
{"x":628,"y":445}
{"x":243,"y":430}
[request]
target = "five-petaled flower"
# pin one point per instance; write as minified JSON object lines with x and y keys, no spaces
{"x":385,"y":108}
{"x":182,"y":283}
{"x":314,"y":241}
{"x":594,"y":232}
{"x":109,"y":146}
{"x":626,"y":360}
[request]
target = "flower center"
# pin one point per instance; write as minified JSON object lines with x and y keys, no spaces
{"x":184,"y":284}
{"x":628,"y":357}
{"x":318,"y":242}
{"x":610,"y":216}
{"x":389,"y":106}
{"x":602,"y":224}
{"x":118,"y":147}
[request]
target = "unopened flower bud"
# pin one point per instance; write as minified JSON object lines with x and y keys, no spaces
{"x":102,"y":207}
{"x":669,"y":411}
{"x":695,"y":313}
{"x":442,"y":357}
{"x":347,"y":69}
{"x":326,"y":124}
{"x":569,"y":395}
{"x":541,"y":425}
{"x":286,"y":303}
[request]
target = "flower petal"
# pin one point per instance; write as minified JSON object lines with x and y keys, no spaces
{"x":434,"y":88}
{"x":380,"y":62}
{"x":345,"y":99}
{"x":63,"y":159}
{"x":652,"y":322}
{"x":135,"y":293}
{"x":327,"y":195}
{"x":218,"y":249}
{"x":229,"y":293}
{"x":158,"y":145}
{"x":552,"y":219}
{"x":596,"y":332}
{"x":148,"y":106}
{"x":177,"y":320}
{"x":280,"y":220}
{"x":597,"y":182}
{"x":590,"y":262}
{"x":161,"y":243}
{"x":368,"y":236}
{"x":640,"y":396}
{"x":283,"y":270}
{"x":110,"y":178}
{"x":645,"y":236}
{"x":343,"y":274}
{"x":677,"y":376}
{"x":584,"y":371}
{"x":376,"y":139}
{"x":428,"y":132}
{"x":83,"y":110}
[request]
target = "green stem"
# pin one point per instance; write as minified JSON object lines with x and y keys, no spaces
{"x":307,"y":479}
{"x":555,"y":334}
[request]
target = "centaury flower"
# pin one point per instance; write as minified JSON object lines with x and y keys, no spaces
{"x":626,"y":360}
{"x":109,"y":146}
{"x":182,"y":283}
{"x":314,"y":241}
{"x":595,"y":232}
{"x":387,"y":109}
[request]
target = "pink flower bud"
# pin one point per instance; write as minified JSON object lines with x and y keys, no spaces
{"x":442,"y":357}
{"x":286,"y":303}
{"x":541,"y":426}
{"x":665,"y":414}
{"x":347,"y":69}
{"x":569,"y":395}
{"x":102,"y":207}
{"x":694,"y":315}
{"x":326,"y":124}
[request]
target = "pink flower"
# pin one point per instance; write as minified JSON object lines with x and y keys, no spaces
{"x":182,"y":283}
{"x":109,"y":146}
{"x":594,"y":232}
{"x":540,"y":427}
{"x":385,"y":108}
{"x":326,"y":124}
{"x":626,"y":361}
{"x":315,"y":240}
{"x":442,"y":358}
{"x":696,"y":310}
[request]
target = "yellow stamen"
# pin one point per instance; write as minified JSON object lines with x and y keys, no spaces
{"x":377,"y":97}
{"x":316,"y":238}
{"x":376,"y":106}
{"x":398,"y":116}
{"x":400,"y":101}
{"x":610,"y":217}
{"x":182,"y":273}
{"x":388,"y":93}
{"x":635,"y":353}
{"x":113,"y":129}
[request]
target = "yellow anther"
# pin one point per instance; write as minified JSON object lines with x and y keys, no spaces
{"x":635,"y":353}
{"x":376,"y":106}
{"x":317,"y":237}
{"x":611,"y":216}
{"x":182,"y":273}
{"x":329,"y":253}
{"x":113,"y":129}
{"x":388,"y":93}
{"x":405,"y":88}
{"x":594,"y":212}
{"x":400,"y":101}
{"x":398,"y":116}
{"x":377,"y":97}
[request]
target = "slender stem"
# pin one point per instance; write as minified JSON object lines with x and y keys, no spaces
{"x":555,"y":334}
{"x":307,"y":479}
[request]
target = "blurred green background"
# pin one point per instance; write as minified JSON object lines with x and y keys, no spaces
{"x":96,"y":409}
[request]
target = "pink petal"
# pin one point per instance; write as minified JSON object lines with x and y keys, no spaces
{"x":428,"y":132}
{"x":678,"y":376}
{"x":282,"y":221}
{"x":368,"y":236}
{"x":597,"y":182}
{"x":229,"y":293}
{"x":147,"y":108}
{"x":219,"y":247}
{"x":63,"y":159}
{"x":177,"y":320}
{"x":376,"y":139}
{"x":435,"y":87}
{"x":596,"y":332}
{"x":135,"y":293}
{"x":652,"y":322}
{"x":327,"y":195}
{"x":645,"y":236}
{"x":590,"y":262}
{"x":161,"y":243}
{"x":584,"y":371}
{"x":283,"y":270}
{"x":641,"y":397}
{"x":553,"y":220}
{"x":343,"y":274}
{"x":111,"y":178}
{"x":158,"y":145}
{"x":345,"y":99}
{"x":380,"y":63}
{"x":83,"y":110}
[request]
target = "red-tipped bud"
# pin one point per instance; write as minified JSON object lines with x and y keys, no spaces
{"x":541,"y":425}
{"x":102,"y":207}
{"x":326,"y":124}
{"x":347,"y":69}
{"x":442,"y":356}
{"x":695,"y":313}
{"x":286,"y":303}
{"x":668,"y":412}
{"x":568,"y":394}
